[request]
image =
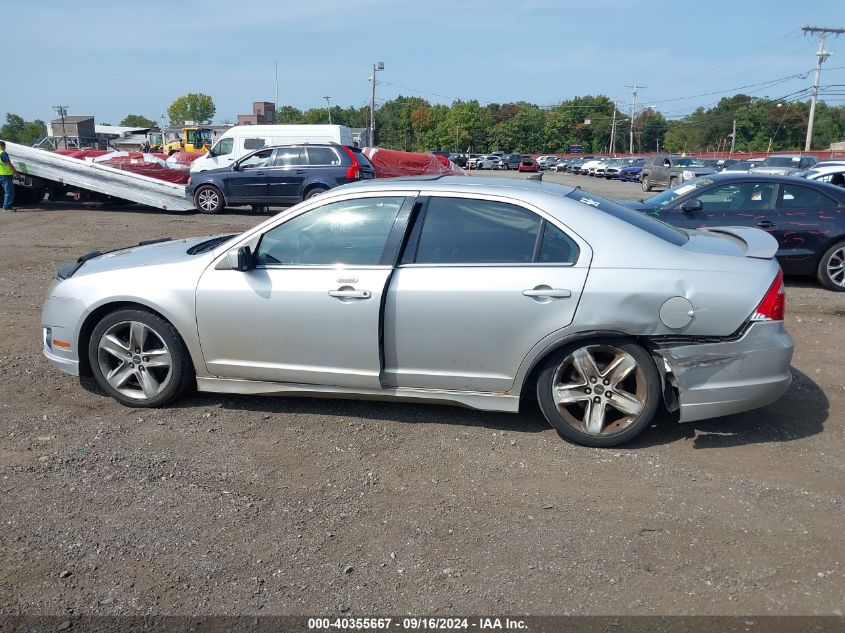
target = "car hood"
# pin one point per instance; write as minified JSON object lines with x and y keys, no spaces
{"x":163,"y":252}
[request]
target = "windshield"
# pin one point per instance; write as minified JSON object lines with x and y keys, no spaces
{"x":688,"y":162}
{"x":780,"y":161}
{"x":664,"y":199}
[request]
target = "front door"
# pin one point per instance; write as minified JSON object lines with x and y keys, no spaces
{"x":749,"y":204}
{"x":308,"y":312}
{"x":480,"y":283}
{"x":248,"y":184}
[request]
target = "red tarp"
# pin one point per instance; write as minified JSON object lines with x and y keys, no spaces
{"x":158,"y":166}
{"x":390,"y":163}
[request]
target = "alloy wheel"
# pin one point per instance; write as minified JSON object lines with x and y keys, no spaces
{"x":835,"y":267}
{"x":208,"y":200}
{"x":135,"y":360}
{"x":599,"y":390}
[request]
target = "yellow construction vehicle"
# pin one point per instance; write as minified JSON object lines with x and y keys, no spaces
{"x":194,"y":139}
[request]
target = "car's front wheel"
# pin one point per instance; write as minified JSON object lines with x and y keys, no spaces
{"x":139,"y":359}
{"x":600,"y":392}
{"x":646,"y":183}
{"x":831,"y":271}
{"x":208,"y":199}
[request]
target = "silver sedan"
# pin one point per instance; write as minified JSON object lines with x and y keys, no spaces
{"x":445,"y":289}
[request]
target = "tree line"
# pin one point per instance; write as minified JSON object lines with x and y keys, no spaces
{"x":414,"y":124}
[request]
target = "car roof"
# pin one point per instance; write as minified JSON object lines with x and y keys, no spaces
{"x":722,"y":177}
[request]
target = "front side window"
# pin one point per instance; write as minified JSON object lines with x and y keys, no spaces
{"x":743,"y":196}
{"x":223,"y":147}
{"x":259,"y":159}
{"x":797,"y":197}
{"x":347,"y":233}
{"x":467,"y":231}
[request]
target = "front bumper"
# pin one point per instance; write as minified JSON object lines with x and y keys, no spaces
{"x":717,"y":379}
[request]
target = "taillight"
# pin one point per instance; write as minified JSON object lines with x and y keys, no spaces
{"x":773,"y":305}
{"x":354,"y":170}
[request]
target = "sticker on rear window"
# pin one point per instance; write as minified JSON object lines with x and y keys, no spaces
{"x":590,"y":201}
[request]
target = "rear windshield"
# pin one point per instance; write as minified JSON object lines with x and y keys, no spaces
{"x":780,"y":161}
{"x":646,"y":223}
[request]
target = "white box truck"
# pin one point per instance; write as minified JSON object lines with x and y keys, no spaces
{"x":243,"y":139}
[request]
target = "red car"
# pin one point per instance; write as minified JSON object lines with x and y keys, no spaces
{"x":528,"y":164}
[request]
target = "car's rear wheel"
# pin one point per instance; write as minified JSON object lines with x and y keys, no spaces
{"x":600,"y":392}
{"x":139,"y":359}
{"x":646,"y":184}
{"x":208,"y":199}
{"x":831,"y":270}
{"x":314,"y":191}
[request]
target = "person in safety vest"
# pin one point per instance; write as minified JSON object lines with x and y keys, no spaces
{"x":7,"y":170}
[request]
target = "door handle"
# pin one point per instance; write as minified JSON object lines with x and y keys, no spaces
{"x":300,"y":171}
{"x":350,"y":294}
{"x":261,"y":173}
{"x":548,"y":293}
{"x":765,"y":224}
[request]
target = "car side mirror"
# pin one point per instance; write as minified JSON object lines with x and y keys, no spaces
{"x":236,"y":166}
{"x":692,"y":205}
{"x":239,"y":258}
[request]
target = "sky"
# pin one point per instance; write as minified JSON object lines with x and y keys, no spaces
{"x":111,"y":58}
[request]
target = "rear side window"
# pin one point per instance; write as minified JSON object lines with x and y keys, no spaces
{"x":289,"y":156}
{"x":646,"y":223}
{"x":322,"y":156}
{"x":468,"y":231}
{"x":253,"y":143}
{"x":797,"y":197}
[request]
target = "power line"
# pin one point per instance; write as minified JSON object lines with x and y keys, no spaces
{"x":821,"y":56}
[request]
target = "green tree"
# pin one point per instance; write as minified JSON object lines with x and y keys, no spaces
{"x":136,"y":120}
{"x":18,"y":130}
{"x":193,"y":106}
{"x":288,"y":115}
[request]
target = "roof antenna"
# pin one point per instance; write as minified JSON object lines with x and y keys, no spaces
{"x":538,"y":177}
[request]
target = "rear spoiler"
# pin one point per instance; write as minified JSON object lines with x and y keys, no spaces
{"x":758,"y":243}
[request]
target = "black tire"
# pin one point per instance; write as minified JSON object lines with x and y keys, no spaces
{"x":209,"y":199}
{"x":173,"y":381}
{"x":620,"y":428}
{"x":831,"y":268}
{"x":645,"y":183}
{"x":673,"y":182}
{"x":314,"y":191}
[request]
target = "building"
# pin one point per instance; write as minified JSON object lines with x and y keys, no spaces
{"x":73,"y":131}
{"x":263,"y":113}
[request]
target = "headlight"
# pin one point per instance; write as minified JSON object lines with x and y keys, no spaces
{"x":687,"y":175}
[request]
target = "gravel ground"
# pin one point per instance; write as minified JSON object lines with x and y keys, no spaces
{"x":266,"y":505}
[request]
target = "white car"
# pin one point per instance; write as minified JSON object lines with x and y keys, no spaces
{"x":832,"y":173}
{"x":486,"y":162}
{"x":589,"y":168}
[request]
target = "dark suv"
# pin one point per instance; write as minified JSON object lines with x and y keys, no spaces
{"x":284,"y":174}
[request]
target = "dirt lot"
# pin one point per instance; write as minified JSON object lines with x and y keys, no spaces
{"x":267,"y":505}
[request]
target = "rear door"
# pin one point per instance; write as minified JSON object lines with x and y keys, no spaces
{"x":324,"y":165}
{"x":285,"y":177}
{"x":249,"y":183}
{"x":809,"y":222}
{"x":481,"y":281}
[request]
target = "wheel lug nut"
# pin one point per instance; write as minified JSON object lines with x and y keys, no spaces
{"x":141,"y":367}
{"x":596,"y":399}
{"x":146,"y":359}
{"x":593,"y":379}
{"x":137,"y":350}
{"x":608,"y":394}
{"x":588,"y":390}
{"x":132,"y":365}
{"x":606,"y":381}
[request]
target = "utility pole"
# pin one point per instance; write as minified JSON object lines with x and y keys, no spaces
{"x":634,"y":90}
{"x":276,"y":104}
{"x":329,"y":108}
{"x":376,"y":67}
{"x":613,"y":131}
{"x":62,"y":111}
{"x":733,"y":140}
{"x":821,"y":56}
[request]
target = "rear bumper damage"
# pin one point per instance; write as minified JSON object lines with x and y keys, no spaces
{"x":717,"y":379}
